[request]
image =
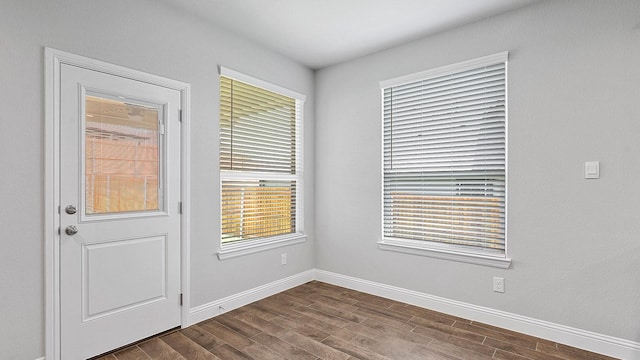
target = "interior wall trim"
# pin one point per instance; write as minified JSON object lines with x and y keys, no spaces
{"x":583,"y":339}
{"x":217,"y":307}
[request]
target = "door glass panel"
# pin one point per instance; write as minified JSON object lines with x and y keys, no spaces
{"x":122,"y":143}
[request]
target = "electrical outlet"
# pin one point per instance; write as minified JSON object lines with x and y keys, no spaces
{"x":498,"y":284}
{"x":283,"y":259}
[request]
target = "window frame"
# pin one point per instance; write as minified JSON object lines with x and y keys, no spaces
{"x":436,"y":249}
{"x":250,"y":246}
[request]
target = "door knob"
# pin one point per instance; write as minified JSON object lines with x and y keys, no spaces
{"x":71,"y":209}
{"x":71,"y":230}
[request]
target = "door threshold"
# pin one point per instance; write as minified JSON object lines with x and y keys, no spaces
{"x":166,"y":332}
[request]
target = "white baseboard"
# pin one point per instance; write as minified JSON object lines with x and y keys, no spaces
{"x":217,"y":307}
{"x":583,"y":339}
{"x":587,"y":340}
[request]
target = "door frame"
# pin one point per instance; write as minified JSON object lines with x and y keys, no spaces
{"x":53,"y":60}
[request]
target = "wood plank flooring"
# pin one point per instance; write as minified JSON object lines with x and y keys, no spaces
{"x":321,"y":321}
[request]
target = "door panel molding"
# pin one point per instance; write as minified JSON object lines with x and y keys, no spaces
{"x":96,"y":303}
{"x":54,"y":59}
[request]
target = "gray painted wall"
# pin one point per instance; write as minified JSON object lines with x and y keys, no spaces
{"x":144,"y":35}
{"x":574,"y":96}
{"x":573,"y":87}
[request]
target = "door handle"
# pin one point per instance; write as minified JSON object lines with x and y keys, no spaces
{"x":71,"y":230}
{"x":71,"y":209}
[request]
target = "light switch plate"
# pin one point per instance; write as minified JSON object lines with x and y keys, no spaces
{"x":592,"y":170}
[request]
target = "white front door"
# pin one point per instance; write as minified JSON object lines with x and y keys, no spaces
{"x":119,"y":214}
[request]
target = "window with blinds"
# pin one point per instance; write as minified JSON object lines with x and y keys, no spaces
{"x":260,"y":161}
{"x":445,"y":156}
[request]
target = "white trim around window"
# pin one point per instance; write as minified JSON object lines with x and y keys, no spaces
{"x":444,"y":162}
{"x":261,"y":165}
{"x":230,"y":73}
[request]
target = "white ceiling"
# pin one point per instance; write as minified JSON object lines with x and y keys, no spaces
{"x":319,"y":33}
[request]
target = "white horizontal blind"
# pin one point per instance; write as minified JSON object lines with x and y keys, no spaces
{"x":260,"y":161}
{"x":444,"y":159}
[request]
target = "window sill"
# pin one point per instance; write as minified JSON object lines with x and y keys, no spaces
{"x":253,"y":246}
{"x":408,"y":247}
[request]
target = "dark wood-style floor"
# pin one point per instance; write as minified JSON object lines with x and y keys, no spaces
{"x":321,"y":321}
